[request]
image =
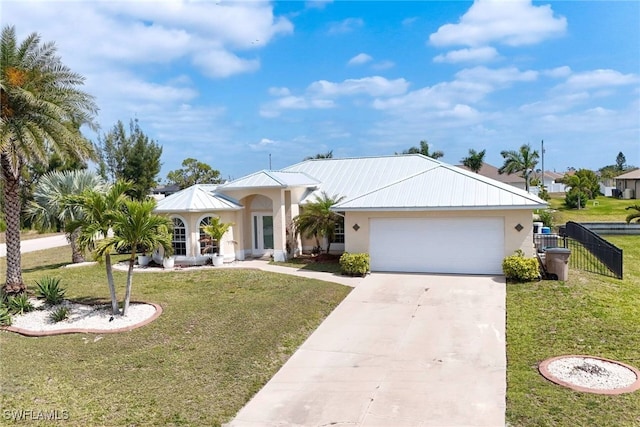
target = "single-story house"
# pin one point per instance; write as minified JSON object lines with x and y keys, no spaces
{"x":491,"y":171}
{"x":410,"y":213}
{"x":629,"y":182}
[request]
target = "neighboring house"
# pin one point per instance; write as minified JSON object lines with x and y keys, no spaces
{"x":490,"y":171}
{"x":629,"y":182}
{"x":553,"y":182}
{"x":410,"y":213}
{"x":162,"y":191}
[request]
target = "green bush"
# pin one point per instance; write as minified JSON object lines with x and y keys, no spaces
{"x":59,"y":314}
{"x":5,"y":316}
{"x":546,"y":217}
{"x":518,"y":268}
{"x":544,"y":194}
{"x":19,"y":304}
{"x":49,"y":289}
{"x":354,"y":264}
{"x":572,"y":197}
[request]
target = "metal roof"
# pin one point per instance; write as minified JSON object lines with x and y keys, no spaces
{"x":443,"y":187}
{"x":264,"y":178}
{"x":197,"y":198}
{"x":352,"y":177}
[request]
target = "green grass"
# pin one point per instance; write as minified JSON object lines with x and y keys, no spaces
{"x":222,"y":335}
{"x":606,"y":209}
{"x":588,"y":314}
{"x":309,"y":264}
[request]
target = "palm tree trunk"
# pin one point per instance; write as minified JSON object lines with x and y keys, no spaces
{"x":127,"y":294}
{"x":14,"y":283}
{"x":76,"y":253}
{"x":112,"y":286}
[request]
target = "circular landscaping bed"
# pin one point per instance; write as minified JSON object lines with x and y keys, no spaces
{"x":591,"y":374}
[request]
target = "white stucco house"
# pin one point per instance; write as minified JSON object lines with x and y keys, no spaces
{"x":410,"y":213}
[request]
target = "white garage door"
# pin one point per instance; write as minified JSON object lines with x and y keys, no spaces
{"x":437,"y":245}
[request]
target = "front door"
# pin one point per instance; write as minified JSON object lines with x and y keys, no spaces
{"x":262,"y":233}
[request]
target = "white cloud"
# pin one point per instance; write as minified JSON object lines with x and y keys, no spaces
{"x":279,"y":91}
{"x":500,"y":76}
{"x":383,"y":65}
{"x":480,"y":54}
{"x":373,"y":86}
{"x":222,"y":63}
{"x":346,"y":26}
{"x":359,"y":59}
{"x":600,"y":78}
{"x":513,"y":22}
{"x":317,"y":4}
{"x":558,"y":72}
{"x":556,"y":104}
{"x":409,"y":21}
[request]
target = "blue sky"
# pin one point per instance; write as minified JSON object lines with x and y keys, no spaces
{"x":231,"y":82}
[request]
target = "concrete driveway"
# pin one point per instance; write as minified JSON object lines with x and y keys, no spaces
{"x":37,"y":244}
{"x":400,"y":350}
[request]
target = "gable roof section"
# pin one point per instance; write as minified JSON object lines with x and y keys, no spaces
{"x":352,"y":177}
{"x":270,"y":179}
{"x":443,"y":188}
{"x":634,"y":174}
{"x":197,"y":198}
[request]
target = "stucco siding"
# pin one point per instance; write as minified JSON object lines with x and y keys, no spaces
{"x":358,"y":241}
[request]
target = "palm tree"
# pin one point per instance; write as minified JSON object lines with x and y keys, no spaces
{"x":522,"y":161}
{"x":136,"y":225}
{"x":215,"y":230}
{"x":633,"y":215}
{"x":579,"y":186}
{"x":475,"y":160}
{"x":318,"y":220}
{"x":424,"y":150}
{"x":41,"y":109}
{"x":50,"y":209}
{"x":98,"y":209}
{"x":327,"y":155}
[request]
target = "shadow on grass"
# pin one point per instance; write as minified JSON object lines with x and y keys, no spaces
{"x":44,"y":267}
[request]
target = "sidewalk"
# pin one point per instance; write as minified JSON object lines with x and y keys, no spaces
{"x":37,"y":244}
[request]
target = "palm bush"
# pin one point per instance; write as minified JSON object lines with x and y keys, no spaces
{"x":59,"y":314}
{"x":50,"y":290}
{"x":20,"y":304}
{"x":633,"y":215}
{"x":317,"y":220}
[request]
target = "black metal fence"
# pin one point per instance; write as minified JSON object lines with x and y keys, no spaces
{"x":591,"y":252}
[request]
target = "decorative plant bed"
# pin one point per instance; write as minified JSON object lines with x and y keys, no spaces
{"x":591,"y":374}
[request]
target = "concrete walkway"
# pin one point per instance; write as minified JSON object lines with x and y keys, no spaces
{"x":33,"y":245}
{"x":400,"y":350}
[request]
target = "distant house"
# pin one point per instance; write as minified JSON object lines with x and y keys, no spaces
{"x":410,"y":213}
{"x":162,"y":191}
{"x":553,"y":182}
{"x":490,"y":171}
{"x":629,"y":182}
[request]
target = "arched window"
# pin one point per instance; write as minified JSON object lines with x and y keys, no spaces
{"x":207,"y":246}
{"x":179,"y":240}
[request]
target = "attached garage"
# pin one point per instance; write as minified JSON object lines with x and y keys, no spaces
{"x":463,"y":245}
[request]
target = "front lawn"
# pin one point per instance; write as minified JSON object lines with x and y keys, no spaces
{"x":326,"y":264}
{"x":605,"y":209}
{"x":221,"y":337}
{"x":588,"y":314}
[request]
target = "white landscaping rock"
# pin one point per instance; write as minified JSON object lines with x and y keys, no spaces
{"x":592,"y":373}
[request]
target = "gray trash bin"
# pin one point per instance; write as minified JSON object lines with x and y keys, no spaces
{"x":557,"y":260}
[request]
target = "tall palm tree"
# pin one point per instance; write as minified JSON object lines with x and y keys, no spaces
{"x":41,"y":109}
{"x":136,"y":225}
{"x":50,"y":208}
{"x":633,"y":215}
{"x":475,"y":160}
{"x":424,"y":150}
{"x":521,"y":162}
{"x":317,"y":220}
{"x":98,"y":209}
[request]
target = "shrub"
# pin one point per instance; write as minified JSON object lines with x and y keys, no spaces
{"x":572,"y":197}
{"x":59,"y":314}
{"x":354,"y":264}
{"x":518,"y":268}
{"x":49,"y":289}
{"x":20,"y":304}
{"x":5,"y":316}
{"x":546,"y":217}
{"x":544,"y":194}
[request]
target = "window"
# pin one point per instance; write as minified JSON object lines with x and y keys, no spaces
{"x":179,"y":241}
{"x":338,"y":235}
{"x":207,"y":246}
